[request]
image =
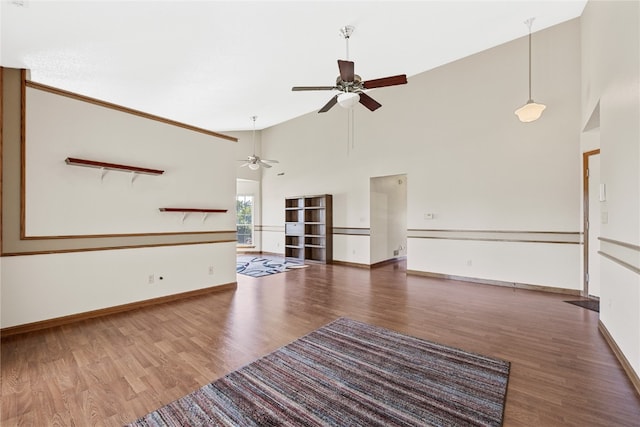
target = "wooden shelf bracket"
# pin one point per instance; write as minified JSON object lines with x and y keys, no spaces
{"x":186,"y":211}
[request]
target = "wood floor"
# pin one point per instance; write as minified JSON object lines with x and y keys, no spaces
{"x":111,"y":370}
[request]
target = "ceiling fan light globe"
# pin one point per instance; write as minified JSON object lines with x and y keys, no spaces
{"x":530,"y":112}
{"x":348,"y":99}
{"x":254,"y":166}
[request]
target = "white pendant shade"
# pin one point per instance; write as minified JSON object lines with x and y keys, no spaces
{"x":254,"y":166}
{"x":348,"y":99}
{"x":530,"y":111}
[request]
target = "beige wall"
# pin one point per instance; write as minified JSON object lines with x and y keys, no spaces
{"x":611,"y":80}
{"x":468,"y":160}
{"x":75,"y":243}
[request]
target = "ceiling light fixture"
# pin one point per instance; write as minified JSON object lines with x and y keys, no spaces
{"x":530,"y":111}
{"x":253,"y":161}
{"x":348,"y":99}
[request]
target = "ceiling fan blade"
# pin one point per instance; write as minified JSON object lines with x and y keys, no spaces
{"x":400,"y":79}
{"x":300,"y":88}
{"x":369,"y":102}
{"x":329,"y":104}
{"x":346,"y":70}
{"x":270,"y":161}
{"x":244,"y":164}
{"x":264,"y":164}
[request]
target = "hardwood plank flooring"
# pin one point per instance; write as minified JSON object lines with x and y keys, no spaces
{"x":112,"y":370}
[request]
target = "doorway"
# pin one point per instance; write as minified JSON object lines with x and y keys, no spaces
{"x":248,"y":214}
{"x":594,"y":194}
{"x":388,"y":213}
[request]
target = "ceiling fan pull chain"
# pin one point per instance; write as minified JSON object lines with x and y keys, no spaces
{"x":353,"y":129}
{"x":349,"y":133}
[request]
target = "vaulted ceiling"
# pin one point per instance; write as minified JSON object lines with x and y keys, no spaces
{"x":213,"y":64}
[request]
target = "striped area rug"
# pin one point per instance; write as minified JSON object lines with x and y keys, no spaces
{"x":349,"y":373}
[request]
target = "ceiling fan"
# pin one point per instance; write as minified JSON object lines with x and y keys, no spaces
{"x":351,"y":85}
{"x":254,"y":162}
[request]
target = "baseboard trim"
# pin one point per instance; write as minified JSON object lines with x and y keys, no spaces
{"x":369,"y":266}
{"x":388,"y":262}
{"x":628,"y":369}
{"x":514,"y":285}
{"x":65,"y":320}
{"x":350,"y":264}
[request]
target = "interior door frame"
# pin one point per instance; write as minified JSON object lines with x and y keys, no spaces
{"x":585,"y":218}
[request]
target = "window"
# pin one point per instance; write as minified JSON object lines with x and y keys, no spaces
{"x":244,"y":221}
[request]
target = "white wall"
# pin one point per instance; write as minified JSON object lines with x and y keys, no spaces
{"x":71,"y":200}
{"x":41,"y":287}
{"x":48,"y":275}
{"x":452,"y":130}
{"x":611,"y":78}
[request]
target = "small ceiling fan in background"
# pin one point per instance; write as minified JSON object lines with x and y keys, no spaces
{"x":254,"y":162}
{"x":351,"y":85}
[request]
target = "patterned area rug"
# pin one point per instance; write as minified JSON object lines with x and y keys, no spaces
{"x":350,"y":373}
{"x":590,"y":304}
{"x":253,"y":266}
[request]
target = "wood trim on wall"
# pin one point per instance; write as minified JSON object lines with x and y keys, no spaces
{"x":352,"y":231}
{"x":1,"y":141}
{"x":518,"y":236}
{"x":13,"y":241}
{"x":388,"y":262}
{"x":350,"y":264}
{"x":628,"y":369}
{"x":23,"y":149}
{"x":343,"y":231}
{"x":111,"y":248}
{"x":514,"y":285}
{"x":619,"y":243}
{"x":622,"y":253}
{"x":116,"y":107}
{"x":65,"y":320}
{"x":104,"y":236}
{"x":620,"y":262}
{"x":459,"y":230}
{"x":585,"y":216}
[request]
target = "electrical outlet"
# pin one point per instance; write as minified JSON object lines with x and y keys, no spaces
{"x":152,"y":279}
{"x":469,"y":262}
{"x":210,"y":270}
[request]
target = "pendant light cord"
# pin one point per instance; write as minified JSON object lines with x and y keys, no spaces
{"x":530,"y":64}
{"x":529,"y":22}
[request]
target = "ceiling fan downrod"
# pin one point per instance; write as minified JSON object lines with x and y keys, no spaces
{"x":346,"y":32}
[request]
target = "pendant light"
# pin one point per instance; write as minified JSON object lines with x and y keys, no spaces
{"x":530,"y":111}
